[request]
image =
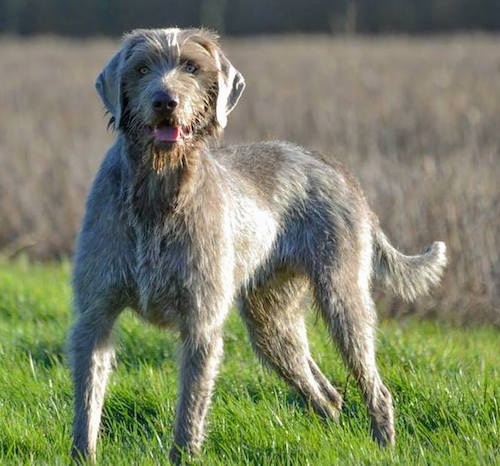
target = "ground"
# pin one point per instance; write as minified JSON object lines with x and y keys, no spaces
{"x":445,"y":383}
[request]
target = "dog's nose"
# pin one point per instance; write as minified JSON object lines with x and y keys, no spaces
{"x":164,"y":101}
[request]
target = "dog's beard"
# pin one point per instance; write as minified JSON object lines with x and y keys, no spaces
{"x":159,"y":159}
{"x":162,"y":158}
{"x":179,"y":154}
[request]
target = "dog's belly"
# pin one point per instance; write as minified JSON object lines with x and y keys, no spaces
{"x":164,"y":304}
{"x":159,"y":314}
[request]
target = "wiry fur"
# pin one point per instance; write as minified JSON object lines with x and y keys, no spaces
{"x":408,"y":276}
{"x":180,"y":231}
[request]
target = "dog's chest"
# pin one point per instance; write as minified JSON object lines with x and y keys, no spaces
{"x":163,"y":277}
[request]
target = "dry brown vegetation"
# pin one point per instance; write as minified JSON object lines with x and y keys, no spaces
{"x":417,"y":120}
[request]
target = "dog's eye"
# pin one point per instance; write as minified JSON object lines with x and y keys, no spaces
{"x":190,"y":67}
{"x":143,"y":70}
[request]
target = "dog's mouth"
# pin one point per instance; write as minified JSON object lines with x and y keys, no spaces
{"x":165,"y":132}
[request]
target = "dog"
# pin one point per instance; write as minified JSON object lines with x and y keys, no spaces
{"x":179,"y":228}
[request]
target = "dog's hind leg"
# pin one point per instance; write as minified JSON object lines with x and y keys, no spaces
{"x":277,"y":332}
{"x":91,"y":355}
{"x":349,"y":313}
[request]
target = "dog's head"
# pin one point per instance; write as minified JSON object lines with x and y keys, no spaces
{"x":170,"y":87}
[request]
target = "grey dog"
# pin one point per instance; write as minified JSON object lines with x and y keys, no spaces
{"x":179,"y":229}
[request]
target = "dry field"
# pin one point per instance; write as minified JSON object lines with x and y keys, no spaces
{"x":417,"y":120}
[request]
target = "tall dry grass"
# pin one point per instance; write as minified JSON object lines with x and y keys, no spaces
{"x":417,"y":120}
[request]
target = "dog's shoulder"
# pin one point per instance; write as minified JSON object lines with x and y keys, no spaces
{"x":108,"y":190}
{"x":111,"y":173}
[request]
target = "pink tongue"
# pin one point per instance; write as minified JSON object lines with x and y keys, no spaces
{"x":167,"y":133}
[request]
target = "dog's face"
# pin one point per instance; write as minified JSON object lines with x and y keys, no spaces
{"x":170,"y":89}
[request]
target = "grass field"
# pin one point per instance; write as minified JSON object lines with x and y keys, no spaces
{"x":445,"y":382}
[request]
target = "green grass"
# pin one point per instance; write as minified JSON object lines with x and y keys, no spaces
{"x":444,"y":380}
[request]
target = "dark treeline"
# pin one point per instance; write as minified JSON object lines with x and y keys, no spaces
{"x":236,"y":17}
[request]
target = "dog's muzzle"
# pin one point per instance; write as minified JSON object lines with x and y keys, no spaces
{"x":166,"y":130}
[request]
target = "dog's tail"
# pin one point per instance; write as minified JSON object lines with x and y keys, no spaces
{"x":407,"y":276}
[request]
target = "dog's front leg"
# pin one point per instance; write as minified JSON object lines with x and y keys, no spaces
{"x":200,"y":359}
{"x":91,"y":354}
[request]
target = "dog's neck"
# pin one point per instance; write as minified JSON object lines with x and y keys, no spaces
{"x":161,"y":183}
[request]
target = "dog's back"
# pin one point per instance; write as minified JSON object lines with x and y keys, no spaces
{"x":283,"y":186}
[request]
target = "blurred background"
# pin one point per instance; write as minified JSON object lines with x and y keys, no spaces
{"x":405,"y":93}
{"x":242,"y":17}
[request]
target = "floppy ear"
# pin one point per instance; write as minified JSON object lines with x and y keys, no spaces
{"x":108,"y":86}
{"x":231,"y":84}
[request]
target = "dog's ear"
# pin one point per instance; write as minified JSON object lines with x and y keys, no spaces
{"x":109,"y":82}
{"x":231,"y":84}
{"x":108,"y":86}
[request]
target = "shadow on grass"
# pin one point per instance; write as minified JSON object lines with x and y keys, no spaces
{"x":45,"y":354}
{"x":134,"y":411}
{"x":132,"y":353}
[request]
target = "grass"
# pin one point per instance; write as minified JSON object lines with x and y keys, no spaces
{"x":445,"y":382}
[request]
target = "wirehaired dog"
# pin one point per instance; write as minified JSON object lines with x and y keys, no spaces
{"x":179,"y":230}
